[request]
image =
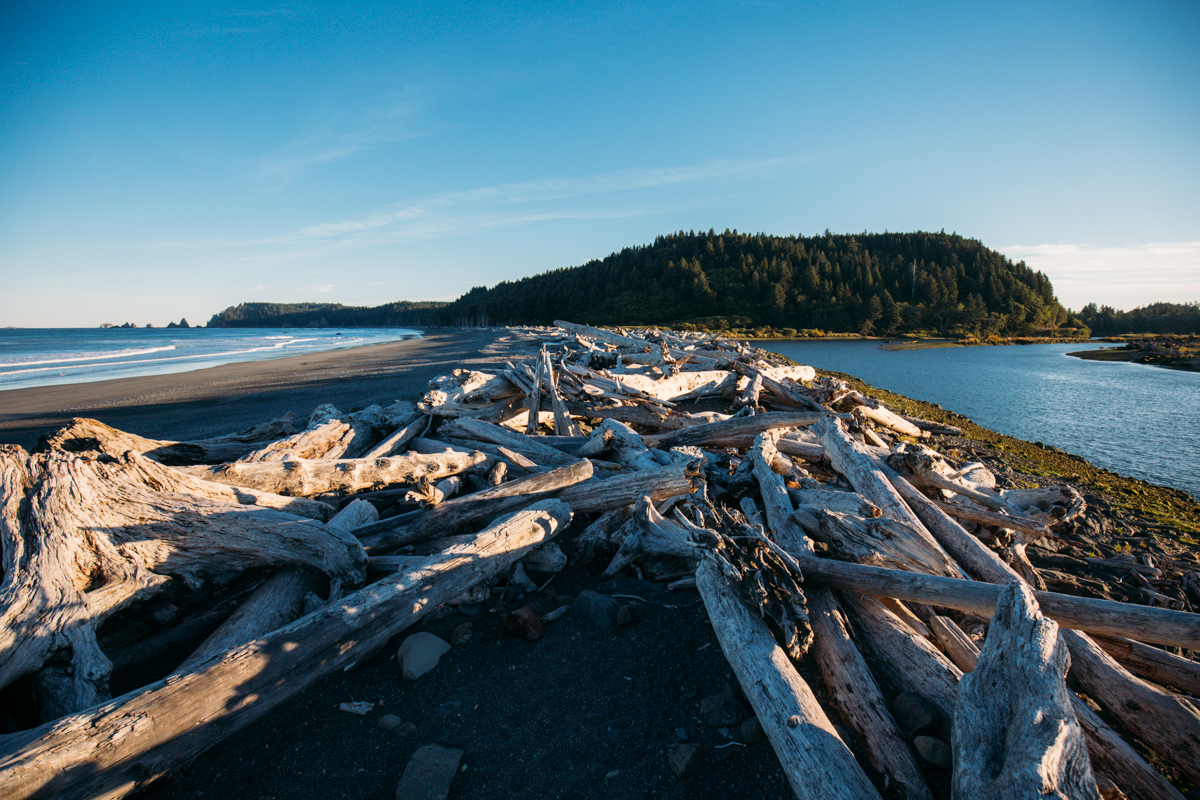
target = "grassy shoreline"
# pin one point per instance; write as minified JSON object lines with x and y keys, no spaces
{"x":1033,"y":463}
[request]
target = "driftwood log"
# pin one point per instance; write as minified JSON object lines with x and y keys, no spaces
{"x":83,"y":535}
{"x":113,"y":749}
{"x":1015,"y":732}
{"x":842,"y":666}
{"x":1170,"y":725}
{"x":306,"y":477}
{"x":90,"y":434}
{"x":817,"y":763}
{"x":444,"y":518}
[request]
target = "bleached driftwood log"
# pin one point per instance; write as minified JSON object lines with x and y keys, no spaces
{"x":908,"y":660}
{"x":465,"y":427}
{"x":466,"y":393}
{"x":958,"y":646}
{"x":444,"y":518}
{"x":1157,"y":625}
{"x":114,"y":749}
{"x":842,"y":666}
{"x":850,"y":459}
{"x":278,"y":600}
{"x":817,"y":763}
{"x":315,"y":476}
{"x":327,"y":436}
{"x":394,"y":443}
{"x":90,"y":434}
{"x":1015,"y":732}
{"x":620,"y":442}
{"x":563,"y":424}
{"x":1153,"y":664}
{"x":1166,"y":723}
{"x":700,"y":435}
{"x":881,"y":542}
{"x":1111,"y":756}
{"x":82,"y":536}
{"x":623,"y":490}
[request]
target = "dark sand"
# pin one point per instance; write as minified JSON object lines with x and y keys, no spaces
{"x":233,"y":397}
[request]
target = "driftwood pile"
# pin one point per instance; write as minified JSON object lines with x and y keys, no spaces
{"x":814,"y":522}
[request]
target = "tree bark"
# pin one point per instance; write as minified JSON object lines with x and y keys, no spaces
{"x":115,"y":749}
{"x":816,"y":761}
{"x":90,"y":434}
{"x":314,"y":476}
{"x":81,"y":537}
{"x":416,"y":526}
{"x":700,"y":435}
{"x":842,"y":666}
{"x":1015,"y":732}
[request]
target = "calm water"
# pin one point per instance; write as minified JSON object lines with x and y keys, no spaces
{"x":44,"y":356}
{"x":1133,"y":419}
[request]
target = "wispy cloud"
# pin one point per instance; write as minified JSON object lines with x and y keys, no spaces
{"x":324,"y":288}
{"x":611,"y":195}
{"x":1123,"y":277}
{"x":348,"y":132}
{"x":522,"y":203}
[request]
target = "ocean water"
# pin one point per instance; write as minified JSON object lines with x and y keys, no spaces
{"x":1133,"y":419}
{"x":46,"y":356}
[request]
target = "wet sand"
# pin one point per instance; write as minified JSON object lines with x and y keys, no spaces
{"x":233,"y":397}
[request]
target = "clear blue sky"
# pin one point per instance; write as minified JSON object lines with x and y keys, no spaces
{"x":167,"y":160}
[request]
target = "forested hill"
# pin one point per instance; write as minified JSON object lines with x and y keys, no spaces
{"x":881,"y":283}
{"x":326,"y":315}
{"x":868,"y":283}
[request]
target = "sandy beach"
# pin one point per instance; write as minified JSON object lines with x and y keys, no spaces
{"x":233,"y":397}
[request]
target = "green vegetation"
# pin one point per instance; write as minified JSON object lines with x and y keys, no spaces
{"x":1179,"y":318}
{"x":326,"y":315}
{"x":748,"y":285}
{"x":868,"y":284}
{"x":1160,"y":505}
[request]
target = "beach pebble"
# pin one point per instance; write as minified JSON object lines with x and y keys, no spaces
{"x":685,"y":760}
{"x":721,"y":710}
{"x":752,"y":731}
{"x":462,"y":634}
{"x":420,"y":653}
{"x":389,"y":722}
{"x":596,"y":608}
{"x":429,"y":773}
{"x":913,"y":713}
{"x":933,"y":752}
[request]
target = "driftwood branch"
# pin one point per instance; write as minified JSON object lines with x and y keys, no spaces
{"x":115,"y":748}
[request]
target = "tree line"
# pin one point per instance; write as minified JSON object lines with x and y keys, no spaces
{"x":1179,"y":318}
{"x":869,"y":283}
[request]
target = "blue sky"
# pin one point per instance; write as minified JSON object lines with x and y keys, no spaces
{"x":160,"y":161}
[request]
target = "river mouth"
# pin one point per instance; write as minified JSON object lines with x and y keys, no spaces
{"x":1132,"y":418}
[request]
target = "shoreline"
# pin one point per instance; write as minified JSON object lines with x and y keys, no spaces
{"x":215,"y":401}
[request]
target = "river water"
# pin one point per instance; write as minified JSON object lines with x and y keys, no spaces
{"x":1133,"y":419}
{"x":44,"y":356}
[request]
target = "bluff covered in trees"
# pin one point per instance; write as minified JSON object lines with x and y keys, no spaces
{"x":326,"y":315}
{"x":882,"y":283}
{"x":1180,"y":318}
{"x":867,"y":283}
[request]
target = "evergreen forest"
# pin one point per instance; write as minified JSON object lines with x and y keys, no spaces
{"x":869,"y":283}
{"x":1177,"y":318}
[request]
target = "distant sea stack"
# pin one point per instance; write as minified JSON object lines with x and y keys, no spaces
{"x":183,"y":323}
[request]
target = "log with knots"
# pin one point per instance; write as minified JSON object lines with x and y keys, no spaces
{"x":815,"y":523}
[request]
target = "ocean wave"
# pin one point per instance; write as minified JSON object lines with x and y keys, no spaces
{"x":90,"y":357}
{"x":201,"y":356}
